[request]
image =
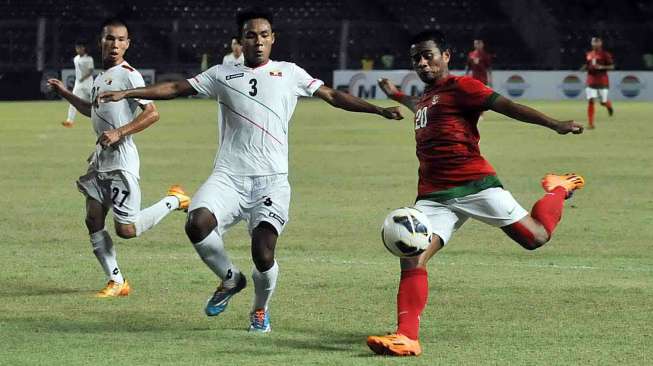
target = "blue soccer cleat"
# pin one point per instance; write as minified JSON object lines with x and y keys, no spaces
{"x":259,"y":321}
{"x":220,"y":299}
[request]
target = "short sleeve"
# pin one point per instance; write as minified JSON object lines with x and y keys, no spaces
{"x":135,"y":80}
{"x":206,"y":83}
{"x":475,"y":95}
{"x":305,"y":84}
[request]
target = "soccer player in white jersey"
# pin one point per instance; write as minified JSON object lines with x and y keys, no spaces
{"x":236,"y":56}
{"x":111,"y":181}
{"x":83,"y":80}
{"x":250,"y":177}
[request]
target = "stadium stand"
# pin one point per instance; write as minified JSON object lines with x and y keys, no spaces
{"x":173,"y":35}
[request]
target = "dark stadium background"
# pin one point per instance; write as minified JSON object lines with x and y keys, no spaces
{"x":171,"y":36}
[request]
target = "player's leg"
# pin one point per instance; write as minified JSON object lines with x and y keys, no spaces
{"x":536,"y":229}
{"x":412,"y":295}
{"x":176,"y":199}
{"x":214,"y":208}
{"x":95,"y":190}
{"x":264,"y":275}
{"x":592,"y":94}
{"x":70,"y":118}
{"x":603,"y":93}
{"x":268,"y":217}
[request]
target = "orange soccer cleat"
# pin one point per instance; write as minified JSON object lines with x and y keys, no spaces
{"x":394,"y":345}
{"x":177,"y":191}
{"x":68,"y":124}
{"x":570,"y":182}
{"x":113,"y":289}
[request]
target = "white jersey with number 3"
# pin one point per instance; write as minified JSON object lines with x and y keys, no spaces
{"x":123,"y":155}
{"x":256,"y":105}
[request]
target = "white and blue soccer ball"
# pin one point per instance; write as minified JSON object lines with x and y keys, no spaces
{"x":406,"y":232}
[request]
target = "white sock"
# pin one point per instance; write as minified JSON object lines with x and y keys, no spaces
{"x":213,"y":253}
{"x":71,"y":113}
{"x":106,"y":255}
{"x":155,"y":213}
{"x":264,"y":284}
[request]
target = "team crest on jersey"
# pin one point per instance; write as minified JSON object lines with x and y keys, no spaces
{"x":108,"y":81}
{"x":435,"y":99}
{"x":276,"y":73}
{"x":235,"y":76}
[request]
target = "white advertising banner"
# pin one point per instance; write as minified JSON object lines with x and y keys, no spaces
{"x":546,"y":85}
{"x":68,"y":76}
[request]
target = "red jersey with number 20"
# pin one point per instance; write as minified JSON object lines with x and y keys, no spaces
{"x":446,"y":133}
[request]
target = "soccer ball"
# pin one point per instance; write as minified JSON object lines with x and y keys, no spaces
{"x":406,"y":232}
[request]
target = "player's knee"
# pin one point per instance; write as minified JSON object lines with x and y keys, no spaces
{"x":530,"y":237}
{"x":264,"y":239}
{"x":199,"y":224}
{"x":535,"y":241}
{"x":126,"y":231}
{"x":94,"y":224}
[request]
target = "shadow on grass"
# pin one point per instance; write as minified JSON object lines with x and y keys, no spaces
{"x":324,"y":340}
{"x":39,"y":289}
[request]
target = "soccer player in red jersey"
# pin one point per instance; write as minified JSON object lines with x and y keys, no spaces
{"x":597,"y":63}
{"x":479,"y":63}
{"x":456,"y":182}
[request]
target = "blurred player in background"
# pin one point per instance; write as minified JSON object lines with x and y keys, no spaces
{"x":250,"y":175}
{"x":111,"y":181}
{"x":597,"y":63}
{"x":236,"y":56}
{"x":455,"y":181}
{"x":479,"y":63}
{"x":83,"y":80}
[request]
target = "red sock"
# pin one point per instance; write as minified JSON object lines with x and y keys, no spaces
{"x":411,"y":300}
{"x":590,"y":113}
{"x":548,"y":210}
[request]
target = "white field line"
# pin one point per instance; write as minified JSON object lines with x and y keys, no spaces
{"x":436,"y":262}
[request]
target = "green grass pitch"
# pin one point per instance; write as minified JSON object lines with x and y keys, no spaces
{"x":584,"y":298}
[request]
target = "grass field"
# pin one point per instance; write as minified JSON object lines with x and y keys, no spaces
{"x":585,"y":298}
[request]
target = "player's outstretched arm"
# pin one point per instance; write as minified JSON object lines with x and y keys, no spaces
{"x":526,"y":114}
{"x":81,"y":105}
{"x":395,"y":94}
{"x":351,"y":103}
{"x":144,"y":120}
{"x":165,"y":90}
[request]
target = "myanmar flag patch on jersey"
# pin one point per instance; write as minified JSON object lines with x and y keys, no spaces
{"x":275,"y":73}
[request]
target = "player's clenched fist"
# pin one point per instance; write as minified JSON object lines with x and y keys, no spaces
{"x":109,"y":137}
{"x":392,"y":113}
{"x":388,"y":87}
{"x":566,"y":127}
{"x":56,"y":85}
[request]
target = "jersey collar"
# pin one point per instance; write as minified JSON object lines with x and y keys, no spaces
{"x":257,"y":67}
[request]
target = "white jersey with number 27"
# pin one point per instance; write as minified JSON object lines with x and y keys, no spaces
{"x":256,"y":105}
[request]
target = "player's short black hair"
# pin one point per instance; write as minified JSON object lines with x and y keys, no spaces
{"x":114,"y":22}
{"x":253,"y":13}
{"x":431,"y":35}
{"x":81,"y":42}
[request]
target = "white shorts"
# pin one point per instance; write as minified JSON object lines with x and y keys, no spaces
{"x":253,"y":199}
{"x":493,"y":206}
{"x":83,"y":91}
{"x":117,"y":189}
{"x":593,"y":93}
